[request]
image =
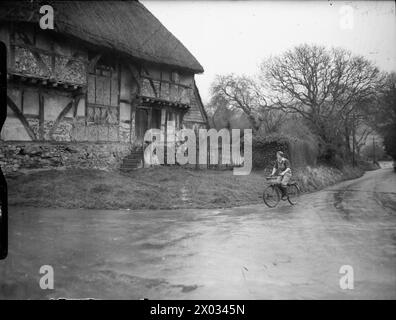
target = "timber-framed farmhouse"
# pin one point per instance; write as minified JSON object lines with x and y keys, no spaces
{"x":85,"y":93}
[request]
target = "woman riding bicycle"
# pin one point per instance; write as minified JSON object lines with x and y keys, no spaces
{"x":283,"y":172}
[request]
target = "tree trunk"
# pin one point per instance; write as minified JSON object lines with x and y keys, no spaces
{"x":253,"y":121}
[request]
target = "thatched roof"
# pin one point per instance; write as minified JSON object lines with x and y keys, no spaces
{"x":125,"y":26}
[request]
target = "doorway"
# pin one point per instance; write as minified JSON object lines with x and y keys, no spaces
{"x":141,"y":122}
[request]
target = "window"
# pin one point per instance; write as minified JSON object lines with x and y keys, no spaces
{"x":103,"y":94}
{"x":175,"y":77}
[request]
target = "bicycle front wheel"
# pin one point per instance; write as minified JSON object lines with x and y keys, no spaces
{"x":271,"y":196}
{"x":293,"y":192}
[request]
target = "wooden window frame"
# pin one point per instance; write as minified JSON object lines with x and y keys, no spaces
{"x":99,"y":70}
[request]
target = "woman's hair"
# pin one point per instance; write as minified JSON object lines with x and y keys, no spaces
{"x":280,"y":153}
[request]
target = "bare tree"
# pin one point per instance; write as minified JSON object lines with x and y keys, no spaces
{"x":323,"y":85}
{"x":361,"y":138}
{"x":382,"y":114}
{"x":244,"y":93}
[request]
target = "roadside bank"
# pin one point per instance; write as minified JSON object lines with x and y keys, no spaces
{"x":156,"y":188}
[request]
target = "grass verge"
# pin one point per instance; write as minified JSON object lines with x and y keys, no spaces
{"x":155,"y":188}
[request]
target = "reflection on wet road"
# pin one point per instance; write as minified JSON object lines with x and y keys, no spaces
{"x":242,"y":253}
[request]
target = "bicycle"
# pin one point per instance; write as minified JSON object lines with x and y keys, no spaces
{"x":272,"y":194}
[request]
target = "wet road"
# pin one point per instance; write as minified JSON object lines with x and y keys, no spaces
{"x":242,"y":253}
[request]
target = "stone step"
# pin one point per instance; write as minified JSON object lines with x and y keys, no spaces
{"x":135,"y":154}
{"x":134,"y":157}
{"x":129,"y":166}
{"x":132,"y":161}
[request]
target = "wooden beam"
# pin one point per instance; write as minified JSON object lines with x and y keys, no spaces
{"x":119,"y":66}
{"x":22,"y":98}
{"x":21,"y":118}
{"x":73,"y":58}
{"x":73,"y":103}
{"x":135,"y":76}
{"x":92,"y":63}
{"x":150,"y":118}
{"x":63,"y":113}
{"x":11,"y":41}
{"x":75,"y":109}
{"x":41,"y":116}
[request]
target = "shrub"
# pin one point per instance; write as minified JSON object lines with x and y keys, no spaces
{"x":370,"y":151}
{"x":314,"y":178}
{"x":300,"y":152}
{"x":390,"y":142}
{"x":367,"y":165}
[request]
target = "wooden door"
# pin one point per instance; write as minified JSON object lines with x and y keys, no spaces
{"x":141,"y":123}
{"x":156,"y":119}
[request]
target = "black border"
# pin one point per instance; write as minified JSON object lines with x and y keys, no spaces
{"x":3,"y":182}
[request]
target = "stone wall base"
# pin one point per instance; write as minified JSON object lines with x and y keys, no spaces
{"x":15,"y":156}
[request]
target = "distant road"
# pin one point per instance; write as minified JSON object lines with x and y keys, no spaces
{"x":249,"y":252}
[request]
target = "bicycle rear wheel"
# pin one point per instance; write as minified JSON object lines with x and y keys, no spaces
{"x":271,"y":196}
{"x":293,"y":192}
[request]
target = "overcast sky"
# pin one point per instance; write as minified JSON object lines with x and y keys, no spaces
{"x":235,"y":36}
